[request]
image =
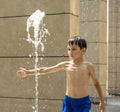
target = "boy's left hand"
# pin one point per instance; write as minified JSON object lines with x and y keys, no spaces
{"x":101,"y":107}
{"x":22,"y":72}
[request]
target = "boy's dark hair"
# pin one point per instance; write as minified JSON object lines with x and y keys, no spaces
{"x":78,"y":41}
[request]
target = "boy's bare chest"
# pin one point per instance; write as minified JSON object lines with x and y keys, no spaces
{"x":78,"y":72}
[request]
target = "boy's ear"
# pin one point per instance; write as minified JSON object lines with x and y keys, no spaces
{"x":84,"y":50}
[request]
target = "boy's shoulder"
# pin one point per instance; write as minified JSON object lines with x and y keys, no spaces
{"x":64,"y":63}
{"x":89,"y":64}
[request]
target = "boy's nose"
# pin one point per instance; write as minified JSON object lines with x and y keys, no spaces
{"x":71,"y":53}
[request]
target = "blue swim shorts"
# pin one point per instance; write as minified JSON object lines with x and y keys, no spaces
{"x":76,"y":104}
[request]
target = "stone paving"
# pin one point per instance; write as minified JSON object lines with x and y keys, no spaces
{"x":108,"y":108}
{"x":112,"y":105}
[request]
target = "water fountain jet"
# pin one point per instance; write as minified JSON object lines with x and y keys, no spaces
{"x":35,"y":21}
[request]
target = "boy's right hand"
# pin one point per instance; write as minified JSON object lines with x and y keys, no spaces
{"x":22,"y":72}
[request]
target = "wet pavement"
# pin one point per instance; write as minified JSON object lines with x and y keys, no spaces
{"x":108,"y":108}
{"x":112,"y":105}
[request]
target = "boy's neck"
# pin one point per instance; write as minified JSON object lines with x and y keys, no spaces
{"x":78,"y":61}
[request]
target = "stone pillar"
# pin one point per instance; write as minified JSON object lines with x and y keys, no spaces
{"x":114,"y":45}
{"x":74,"y":17}
{"x":93,"y":28}
{"x":62,"y":22}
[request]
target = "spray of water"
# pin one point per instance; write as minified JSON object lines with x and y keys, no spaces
{"x":36,"y":21}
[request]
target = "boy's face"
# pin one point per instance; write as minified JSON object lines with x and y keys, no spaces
{"x":74,"y":51}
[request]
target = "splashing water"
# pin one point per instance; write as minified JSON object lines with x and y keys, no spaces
{"x":36,"y":21}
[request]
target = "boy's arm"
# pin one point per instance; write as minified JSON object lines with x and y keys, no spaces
{"x":22,"y":72}
{"x":52,"y":69}
{"x":98,"y":87}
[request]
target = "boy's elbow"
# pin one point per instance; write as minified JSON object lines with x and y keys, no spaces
{"x":42,"y":70}
{"x":96,"y":83}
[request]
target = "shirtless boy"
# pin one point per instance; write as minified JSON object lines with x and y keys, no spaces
{"x":78,"y":74}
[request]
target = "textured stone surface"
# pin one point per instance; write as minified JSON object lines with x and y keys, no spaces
{"x":93,"y":29}
{"x":114,"y":51}
{"x":61,"y":20}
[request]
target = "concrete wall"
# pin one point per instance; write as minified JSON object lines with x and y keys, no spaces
{"x":18,"y":94}
{"x":93,"y":28}
{"x":114,"y":47}
{"x":62,"y":18}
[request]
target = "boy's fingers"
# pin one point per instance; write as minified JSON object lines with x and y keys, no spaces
{"x":22,"y":68}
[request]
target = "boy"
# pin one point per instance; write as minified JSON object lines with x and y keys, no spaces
{"x":78,"y":73}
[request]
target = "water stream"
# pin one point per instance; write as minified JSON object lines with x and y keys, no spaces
{"x":35,"y":21}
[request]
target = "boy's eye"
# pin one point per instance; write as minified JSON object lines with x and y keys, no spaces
{"x":73,"y":49}
{"x":68,"y":49}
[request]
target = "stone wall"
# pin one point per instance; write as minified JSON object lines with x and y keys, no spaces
{"x":18,"y":95}
{"x":93,"y":28}
{"x":114,"y":45}
{"x":63,"y":20}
